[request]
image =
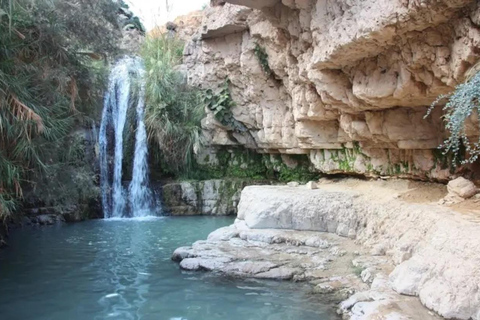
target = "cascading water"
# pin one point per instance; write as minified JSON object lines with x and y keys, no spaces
{"x":140,"y":194}
{"x":118,"y":99}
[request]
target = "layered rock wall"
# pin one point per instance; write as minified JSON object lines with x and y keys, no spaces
{"x":211,"y":197}
{"x":347,"y":83}
{"x":217,"y":197}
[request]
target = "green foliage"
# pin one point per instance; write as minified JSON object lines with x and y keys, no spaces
{"x":246,"y":164}
{"x":236,"y":163}
{"x":263,"y":59}
{"x":448,"y":160}
{"x":221,"y":105}
{"x":346,"y":157}
{"x":130,"y":21}
{"x":462,"y":104}
{"x":48,"y":83}
{"x":302,"y":172}
{"x":357,"y":270}
{"x":70,"y":180}
{"x":250,"y":165}
{"x":173,"y":109}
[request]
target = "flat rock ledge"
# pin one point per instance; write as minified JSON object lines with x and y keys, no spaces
{"x":383,"y":257}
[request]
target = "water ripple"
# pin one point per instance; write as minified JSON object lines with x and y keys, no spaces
{"x":119,"y":269}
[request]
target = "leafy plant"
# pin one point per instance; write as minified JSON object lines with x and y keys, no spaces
{"x":48,"y":84}
{"x":302,"y":172}
{"x":173,"y":109}
{"x":131,"y":21}
{"x":263,"y":59}
{"x":463,"y":103}
{"x":247,"y":164}
{"x":221,"y":104}
{"x":70,"y":179}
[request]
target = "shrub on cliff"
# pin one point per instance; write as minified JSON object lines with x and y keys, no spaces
{"x":462,"y":106}
{"x":48,"y":82}
{"x":173,"y":109}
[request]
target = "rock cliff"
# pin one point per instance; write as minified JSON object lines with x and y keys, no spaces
{"x":209,"y":197}
{"x":347,"y":83}
{"x":217,"y":197}
{"x":183,"y":27}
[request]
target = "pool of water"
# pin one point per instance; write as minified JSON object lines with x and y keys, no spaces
{"x":122,"y":270}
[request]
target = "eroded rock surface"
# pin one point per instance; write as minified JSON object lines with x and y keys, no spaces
{"x":218,"y":197}
{"x":209,"y":197}
{"x":184,"y":27}
{"x":348,"y":82}
{"x":269,"y":254}
{"x":462,"y":188}
{"x":417,"y":250}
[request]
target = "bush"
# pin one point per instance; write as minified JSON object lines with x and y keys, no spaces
{"x":48,"y":83}
{"x":173,"y":109}
{"x":462,"y":104}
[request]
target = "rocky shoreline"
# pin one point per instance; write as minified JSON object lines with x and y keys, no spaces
{"x":355,"y":241}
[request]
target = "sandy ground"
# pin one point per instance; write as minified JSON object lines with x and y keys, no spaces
{"x":406,"y":190}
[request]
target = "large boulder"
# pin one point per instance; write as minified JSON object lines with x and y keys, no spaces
{"x":277,"y":207}
{"x":462,"y":187}
{"x":437,"y":251}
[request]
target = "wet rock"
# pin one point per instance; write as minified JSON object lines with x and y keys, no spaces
{"x":26,"y":221}
{"x":265,"y":254}
{"x":323,"y":288}
{"x":190,"y":264}
{"x":281,"y":273}
{"x":181,"y":254}
{"x":250,"y":267}
{"x":48,"y":219}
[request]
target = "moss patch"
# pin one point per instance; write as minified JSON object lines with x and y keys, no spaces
{"x":243,"y":164}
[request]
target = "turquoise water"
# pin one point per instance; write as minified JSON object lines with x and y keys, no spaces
{"x":122,"y":270}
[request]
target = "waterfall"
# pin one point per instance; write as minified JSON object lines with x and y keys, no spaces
{"x":140,"y":194}
{"x":119,"y":98}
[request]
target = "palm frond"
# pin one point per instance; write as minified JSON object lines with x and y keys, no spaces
{"x":46,"y":87}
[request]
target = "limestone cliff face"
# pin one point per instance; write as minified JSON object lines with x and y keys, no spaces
{"x":349,"y":83}
{"x":184,"y":27}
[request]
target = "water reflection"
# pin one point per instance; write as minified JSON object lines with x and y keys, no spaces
{"x":126,"y":265}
